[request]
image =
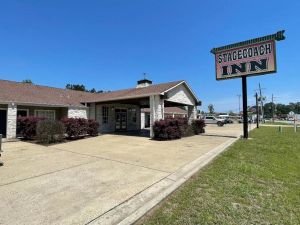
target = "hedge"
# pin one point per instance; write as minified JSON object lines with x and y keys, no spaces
{"x":49,"y":131}
{"x":26,"y":126}
{"x":176,"y":128}
{"x":79,"y":127}
{"x":170,"y":128}
{"x":93,"y":128}
{"x":198,"y":126}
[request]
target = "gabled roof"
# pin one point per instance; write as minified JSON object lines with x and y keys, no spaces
{"x":155,"y":89}
{"x":24,"y":93}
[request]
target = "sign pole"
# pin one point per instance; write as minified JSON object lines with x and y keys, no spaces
{"x":257,"y":111}
{"x":245,"y":107}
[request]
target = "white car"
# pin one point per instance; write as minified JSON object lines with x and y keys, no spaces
{"x":214,"y":120}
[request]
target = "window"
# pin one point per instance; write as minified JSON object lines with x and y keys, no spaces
{"x":48,"y":114}
{"x":22,"y":112}
{"x":104,"y":115}
{"x":133,"y":111}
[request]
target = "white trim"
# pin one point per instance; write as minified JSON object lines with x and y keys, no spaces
{"x":188,"y":87}
{"x":173,"y":87}
{"x":27,"y":110}
{"x":48,"y":110}
{"x":112,"y":101}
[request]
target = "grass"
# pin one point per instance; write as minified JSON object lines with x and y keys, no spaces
{"x":254,"y":182}
{"x":278,"y":123}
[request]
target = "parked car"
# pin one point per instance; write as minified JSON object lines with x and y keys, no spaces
{"x":214,"y":120}
{"x":226,"y":120}
{"x":241,"y":120}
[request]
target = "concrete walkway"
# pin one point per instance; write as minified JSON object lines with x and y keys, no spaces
{"x":103,"y":180}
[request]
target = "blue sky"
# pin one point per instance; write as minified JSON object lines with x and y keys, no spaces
{"x":109,"y":44}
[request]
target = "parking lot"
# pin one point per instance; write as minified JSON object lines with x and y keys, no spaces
{"x":80,"y":182}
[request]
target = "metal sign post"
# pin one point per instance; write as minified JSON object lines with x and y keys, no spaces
{"x":245,"y":106}
{"x":247,"y":58}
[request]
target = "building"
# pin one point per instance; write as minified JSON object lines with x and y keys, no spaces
{"x":173,"y":112}
{"x":115,"y":111}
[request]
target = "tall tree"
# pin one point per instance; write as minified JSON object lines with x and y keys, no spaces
{"x":27,"y":81}
{"x":211,"y":109}
{"x":76,"y":87}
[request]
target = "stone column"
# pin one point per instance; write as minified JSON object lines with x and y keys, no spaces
{"x":77,"y":112}
{"x":11,"y":121}
{"x":157,"y":110}
{"x":192,"y":113}
{"x":143,"y":118}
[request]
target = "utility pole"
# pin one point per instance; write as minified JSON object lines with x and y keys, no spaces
{"x":273,"y":108}
{"x":257,"y":113}
{"x":261,"y":104}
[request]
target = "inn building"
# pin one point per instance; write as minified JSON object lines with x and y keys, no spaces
{"x":116,"y":111}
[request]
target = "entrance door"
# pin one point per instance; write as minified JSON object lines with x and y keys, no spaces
{"x":3,"y":118}
{"x":121,"y":119}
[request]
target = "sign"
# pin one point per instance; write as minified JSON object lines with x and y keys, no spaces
{"x":248,"y":58}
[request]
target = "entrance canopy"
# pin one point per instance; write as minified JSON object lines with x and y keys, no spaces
{"x":155,"y":97}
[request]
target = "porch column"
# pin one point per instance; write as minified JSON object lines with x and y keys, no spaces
{"x":157,"y":110}
{"x":192,"y":113}
{"x":11,"y":121}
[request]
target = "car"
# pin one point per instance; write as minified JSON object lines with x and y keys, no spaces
{"x":226,"y":120}
{"x":241,"y":120}
{"x":214,"y":120}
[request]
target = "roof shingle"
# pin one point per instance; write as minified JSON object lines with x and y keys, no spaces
{"x":19,"y":92}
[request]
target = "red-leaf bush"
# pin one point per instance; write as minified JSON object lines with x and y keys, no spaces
{"x":93,"y":127}
{"x":170,"y":128}
{"x":75,"y":127}
{"x":198,"y":126}
{"x":26,"y":126}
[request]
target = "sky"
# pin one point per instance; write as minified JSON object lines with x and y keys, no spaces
{"x":109,"y":44}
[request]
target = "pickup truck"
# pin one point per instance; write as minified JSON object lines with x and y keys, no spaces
{"x":214,"y":120}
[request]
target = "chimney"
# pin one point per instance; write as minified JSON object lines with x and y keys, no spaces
{"x":143,"y":83}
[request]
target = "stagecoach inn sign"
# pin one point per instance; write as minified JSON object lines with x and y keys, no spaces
{"x":253,"y":57}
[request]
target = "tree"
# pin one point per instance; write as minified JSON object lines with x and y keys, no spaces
{"x":27,"y":81}
{"x":76,"y":87}
{"x":93,"y":90}
{"x":211,"y":109}
{"x":81,"y":87}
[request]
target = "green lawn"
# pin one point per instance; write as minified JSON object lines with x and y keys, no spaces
{"x":277,"y":123}
{"x":253,"y":182}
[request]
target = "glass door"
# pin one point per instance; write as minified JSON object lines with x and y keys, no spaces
{"x":121,"y":119}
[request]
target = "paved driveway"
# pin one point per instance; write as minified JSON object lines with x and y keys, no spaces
{"x":76,"y":182}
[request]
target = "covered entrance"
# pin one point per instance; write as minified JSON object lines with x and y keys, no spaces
{"x":121,"y":119}
{"x":3,"y":121}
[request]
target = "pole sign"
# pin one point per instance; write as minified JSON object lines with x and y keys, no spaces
{"x":248,"y":58}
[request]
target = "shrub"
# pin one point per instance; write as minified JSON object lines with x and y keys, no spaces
{"x":198,"y":126}
{"x":75,"y":127}
{"x":169,"y":128}
{"x":26,"y":126}
{"x":92,"y":128}
{"x":49,"y":131}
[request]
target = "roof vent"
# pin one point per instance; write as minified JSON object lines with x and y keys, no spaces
{"x":144,"y":82}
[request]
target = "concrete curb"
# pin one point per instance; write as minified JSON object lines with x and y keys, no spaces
{"x":134,"y":208}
